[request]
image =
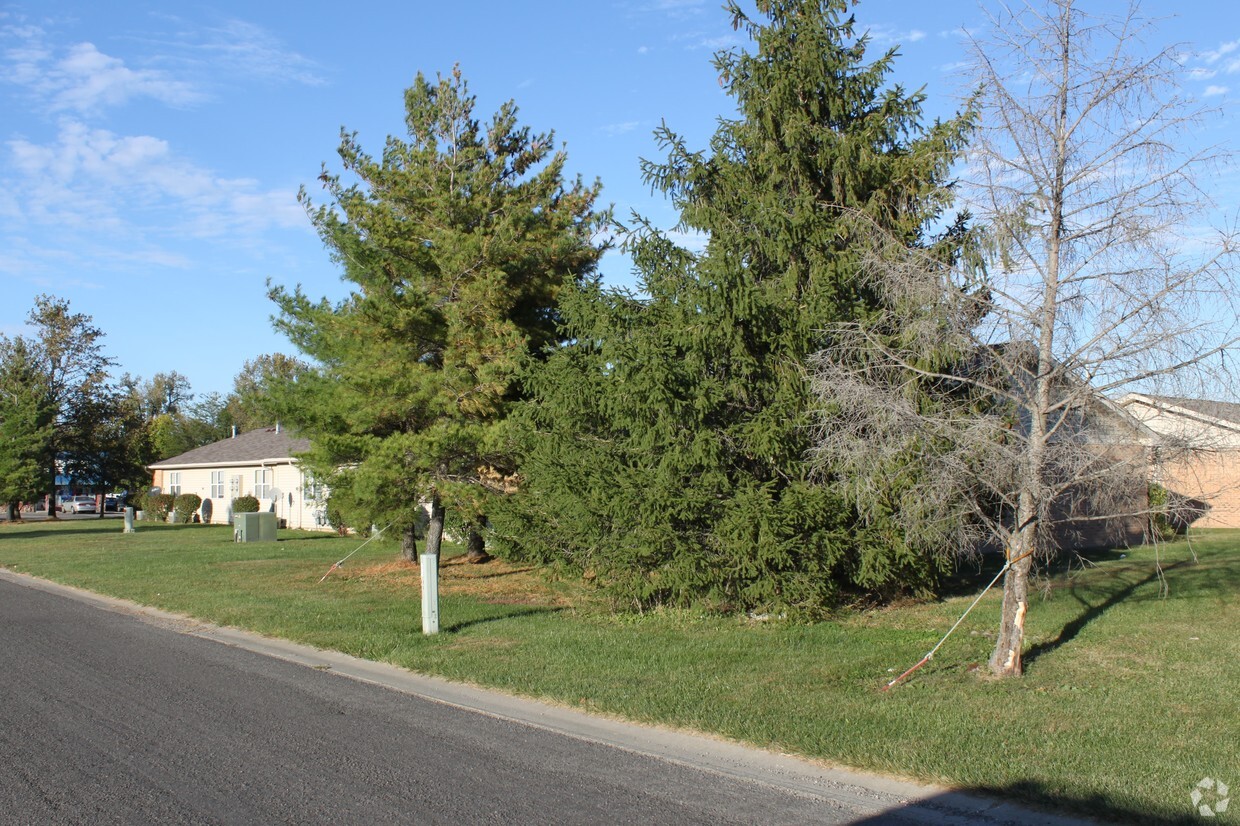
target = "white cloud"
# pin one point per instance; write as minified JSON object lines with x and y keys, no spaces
{"x":135,"y":186}
{"x":613,"y":129}
{"x":249,"y":51}
{"x":87,"y":80}
{"x":671,"y":8}
{"x":715,"y":44}
{"x":1200,"y":73}
{"x":1224,"y":49}
{"x":1215,"y":91}
{"x":80,"y":78}
{"x":886,"y":36}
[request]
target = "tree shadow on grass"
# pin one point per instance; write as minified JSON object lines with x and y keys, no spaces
{"x":512,"y":614}
{"x":1094,"y":610}
{"x":474,"y":577}
{"x":972,"y":574}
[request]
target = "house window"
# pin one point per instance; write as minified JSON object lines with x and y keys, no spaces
{"x":174,"y":483}
{"x":217,"y":484}
{"x":262,"y":483}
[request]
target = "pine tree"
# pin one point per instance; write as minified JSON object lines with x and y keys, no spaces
{"x":666,"y":447}
{"x":26,"y":425}
{"x":456,"y":244}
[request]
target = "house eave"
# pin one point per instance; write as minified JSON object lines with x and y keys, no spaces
{"x":239,"y":463}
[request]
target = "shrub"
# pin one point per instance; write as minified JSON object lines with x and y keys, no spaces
{"x":1171,"y":513}
{"x":245,"y":504}
{"x":185,"y":506}
{"x":335,"y":518}
{"x":157,"y":506}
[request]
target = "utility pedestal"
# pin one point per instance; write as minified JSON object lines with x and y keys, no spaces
{"x":429,"y":569}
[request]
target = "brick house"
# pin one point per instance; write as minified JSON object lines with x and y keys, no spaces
{"x":1200,"y":441}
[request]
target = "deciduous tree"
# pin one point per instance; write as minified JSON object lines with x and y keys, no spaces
{"x":68,"y":350}
{"x":1101,"y":278}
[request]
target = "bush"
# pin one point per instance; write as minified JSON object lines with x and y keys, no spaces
{"x":185,"y":506}
{"x":335,"y":518}
{"x":157,"y":506}
{"x":245,"y":504}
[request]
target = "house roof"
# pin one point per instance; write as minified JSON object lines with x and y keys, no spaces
{"x":268,"y":444}
{"x":1223,"y":411}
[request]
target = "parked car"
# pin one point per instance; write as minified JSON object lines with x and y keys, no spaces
{"x":111,"y":504}
{"x":80,"y":504}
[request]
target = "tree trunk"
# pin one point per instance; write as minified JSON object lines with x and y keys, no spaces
{"x":476,"y":547}
{"x":434,"y":528}
{"x":1005,"y":661}
{"x":51,"y":497}
{"x":14,"y":514}
{"x":409,"y":543}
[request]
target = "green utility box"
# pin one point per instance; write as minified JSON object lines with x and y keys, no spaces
{"x":254,"y":527}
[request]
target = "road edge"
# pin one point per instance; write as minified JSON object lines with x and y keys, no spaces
{"x":877,"y":795}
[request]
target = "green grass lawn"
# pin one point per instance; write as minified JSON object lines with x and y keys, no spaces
{"x":1130,"y":696}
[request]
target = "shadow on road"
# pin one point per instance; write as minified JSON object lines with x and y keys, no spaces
{"x":1024,"y":803}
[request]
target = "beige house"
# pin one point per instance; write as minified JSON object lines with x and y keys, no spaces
{"x":261,"y":463}
{"x":1200,"y":441}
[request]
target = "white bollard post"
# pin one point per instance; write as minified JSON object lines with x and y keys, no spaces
{"x":129,"y":528}
{"x":429,"y":568}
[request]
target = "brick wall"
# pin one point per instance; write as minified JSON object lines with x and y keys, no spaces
{"x":1211,"y":477}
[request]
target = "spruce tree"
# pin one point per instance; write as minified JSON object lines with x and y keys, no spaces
{"x":27,"y":414}
{"x":665,"y":448}
{"x":455,"y":244}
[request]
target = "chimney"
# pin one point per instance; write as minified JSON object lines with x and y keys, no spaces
{"x":234,"y":431}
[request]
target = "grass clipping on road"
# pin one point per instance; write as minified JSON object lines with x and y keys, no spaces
{"x":1129,"y":701}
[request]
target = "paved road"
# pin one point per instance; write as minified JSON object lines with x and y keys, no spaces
{"x":111,"y":715}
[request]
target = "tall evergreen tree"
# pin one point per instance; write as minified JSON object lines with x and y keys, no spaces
{"x":26,"y":419}
{"x":455,"y":243}
{"x":666,"y":448}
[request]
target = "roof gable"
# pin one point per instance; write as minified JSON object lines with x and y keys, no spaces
{"x":264,"y":445}
{"x":1223,"y":411}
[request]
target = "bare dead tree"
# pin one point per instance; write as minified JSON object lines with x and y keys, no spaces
{"x":992,"y":385}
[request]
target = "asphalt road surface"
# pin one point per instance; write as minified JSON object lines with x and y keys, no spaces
{"x":113,"y":715}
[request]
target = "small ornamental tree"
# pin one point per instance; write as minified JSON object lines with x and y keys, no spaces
{"x":456,"y":243}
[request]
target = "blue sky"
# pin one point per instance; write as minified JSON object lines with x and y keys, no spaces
{"x":150,"y":153}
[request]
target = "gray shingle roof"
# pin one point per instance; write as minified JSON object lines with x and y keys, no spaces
{"x":265,"y":444}
{"x":1226,"y":411}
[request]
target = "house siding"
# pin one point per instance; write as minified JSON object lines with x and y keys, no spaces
{"x":287,"y":493}
{"x":288,"y":496}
